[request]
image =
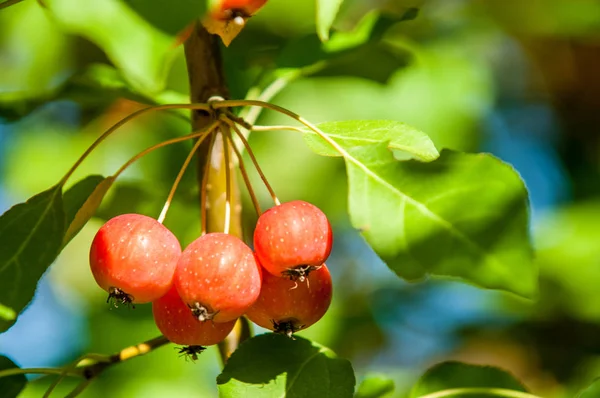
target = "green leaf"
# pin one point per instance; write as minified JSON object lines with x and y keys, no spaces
{"x":404,"y":140}
{"x":11,"y":386}
{"x":327,"y":10}
{"x":460,"y":216}
{"x":31,"y":234}
{"x":272,"y":365}
{"x":375,"y":386}
{"x":451,"y":375}
{"x":170,"y":16}
{"x":82,"y":201}
{"x":592,"y":391}
{"x":142,"y":52}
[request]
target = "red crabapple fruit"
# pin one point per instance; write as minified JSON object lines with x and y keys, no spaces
{"x":175,"y":321}
{"x":292,"y":239}
{"x":218,"y":277}
{"x":134,"y":257}
{"x":285,"y":306}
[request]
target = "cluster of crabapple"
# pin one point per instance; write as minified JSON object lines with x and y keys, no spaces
{"x":198,"y":294}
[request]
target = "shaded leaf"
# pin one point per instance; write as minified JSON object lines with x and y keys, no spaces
{"x":82,"y":201}
{"x":31,"y":234}
{"x":326,"y":13}
{"x":11,"y":386}
{"x":405,"y":140}
{"x":170,"y":17}
{"x":142,"y":52}
{"x":375,"y":386}
{"x":461,"y":215}
{"x":451,"y":375}
{"x":272,"y":365}
{"x":592,"y":391}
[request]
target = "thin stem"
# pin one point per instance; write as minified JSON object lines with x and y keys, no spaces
{"x":244,"y":173}
{"x":120,"y":123}
{"x":9,"y":3}
{"x":195,"y":134}
{"x":204,"y":188}
{"x":63,"y":373}
{"x":252,"y":113}
{"x":253,"y":158}
{"x":227,"y":181}
{"x":500,"y":392}
{"x":79,"y":389}
{"x":277,"y":128}
{"x":163,"y":213}
{"x":39,"y":371}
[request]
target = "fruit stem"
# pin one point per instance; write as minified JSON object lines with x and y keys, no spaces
{"x":254,"y":161}
{"x":244,"y":173}
{"x":163,"y":213}
{"x":9,"y":3}
{"x":120,"y":123}
{"x":499,"y":392}
{"x":277,"y":128}
{"x":204,"y":188}
{"x":197,"y":134}
{"x":227,"y":181}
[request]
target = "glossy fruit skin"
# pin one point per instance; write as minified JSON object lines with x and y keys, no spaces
{"x":227,"y":9}
{"x":290,"y":235}
{"x":301,"y":304}
{"x":135,"y":254}
{"x":175,"y":321}
{"x":219,"y":272}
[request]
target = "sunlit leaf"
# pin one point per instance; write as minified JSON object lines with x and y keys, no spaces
{"x":375,"y":386}
{"x":141,"y":51}
{"x":82,"y":201}
{"x":273,"y":365}
{"x":326,"y":13}
{"x":35,"y":62}
{"x":460,"y":215}
{"x":405,"y":140}
{"x":11,"y":386}
{"x":31,"y":234}
{"x":452,"y":375}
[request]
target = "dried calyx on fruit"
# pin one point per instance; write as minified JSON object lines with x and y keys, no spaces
{"x":293,"y":239}
{"x":218,"y":277}
{"x":175,"y":321}
{"x":133,"y":257}
{"x":285,"y":306}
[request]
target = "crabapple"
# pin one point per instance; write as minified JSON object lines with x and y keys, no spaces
{"x":230,"y":9}
{"x":292,"y":239}
{"x":175,"y":321}
{"x":218,"y":277}
{"x":134,"y":257}
{"x":285,"y":306}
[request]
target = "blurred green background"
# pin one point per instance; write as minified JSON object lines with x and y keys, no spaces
{"x":515,"y":78}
